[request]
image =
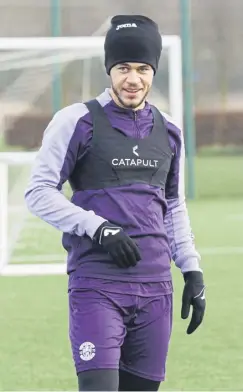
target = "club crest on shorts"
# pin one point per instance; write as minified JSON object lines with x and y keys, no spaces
{"x":87,"y":351}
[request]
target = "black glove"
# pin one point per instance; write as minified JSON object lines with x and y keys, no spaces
{"x":193,"y":294}
{"x":118,"y":244}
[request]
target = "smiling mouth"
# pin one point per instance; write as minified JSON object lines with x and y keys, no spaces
{"x":131,"y":91}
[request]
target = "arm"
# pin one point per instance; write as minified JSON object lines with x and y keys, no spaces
{"x":177,"y":220}
{"x":52,"y":168}
{"x":181,"y":238}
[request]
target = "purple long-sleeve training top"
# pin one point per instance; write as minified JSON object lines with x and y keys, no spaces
{"x":162,"y":213}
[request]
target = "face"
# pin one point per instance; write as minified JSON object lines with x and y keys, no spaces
{"x":131,"y":83}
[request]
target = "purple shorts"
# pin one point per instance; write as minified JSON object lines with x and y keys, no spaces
{"x":120,"y":331}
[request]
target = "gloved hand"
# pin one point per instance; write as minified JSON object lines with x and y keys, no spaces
{"x":118,"y":244}
{"x":193,"y":295}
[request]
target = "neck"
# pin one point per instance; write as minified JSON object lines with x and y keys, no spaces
{"x":118,"y":103}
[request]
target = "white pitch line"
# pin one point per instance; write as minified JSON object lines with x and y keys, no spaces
{"x":60,"y":258}
{"x":60,"y":267}
{"x":236,"y":217}
{"x":32,"y":224}
{"x":15,"y":209}
{"x":34,"y":269}
{"x":221,"y":250}
{"x":39,"y":258}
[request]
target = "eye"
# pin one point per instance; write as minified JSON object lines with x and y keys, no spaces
{"x":123,"y":69}
{"x":144,"y":69}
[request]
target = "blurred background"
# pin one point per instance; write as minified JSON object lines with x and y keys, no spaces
{"x":34,"y":84}
{"x":216,"y":71}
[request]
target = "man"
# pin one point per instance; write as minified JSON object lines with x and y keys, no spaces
{"x":126,"y":221}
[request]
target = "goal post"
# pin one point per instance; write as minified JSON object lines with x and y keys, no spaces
{"x":93,"y":45}
{"x":26,"y":77}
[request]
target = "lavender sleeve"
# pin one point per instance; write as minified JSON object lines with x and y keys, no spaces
{"x":54,"y":163}
{"x":177,"y":221}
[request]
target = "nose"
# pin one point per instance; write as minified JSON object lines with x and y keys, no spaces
{"x":133,"y":77}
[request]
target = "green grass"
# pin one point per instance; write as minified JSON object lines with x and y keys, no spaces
{"x":34,"y":346}
{"x":38,"y":239}
{"x":219,"y":177}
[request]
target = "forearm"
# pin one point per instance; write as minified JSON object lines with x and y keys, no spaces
{"x":181,"y":239}
{"x":49,"y":204}
{"x":177,"y":220}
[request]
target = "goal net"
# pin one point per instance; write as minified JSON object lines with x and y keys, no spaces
{"x":39,"y":76}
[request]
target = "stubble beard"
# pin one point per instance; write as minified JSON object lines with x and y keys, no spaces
{"x":132,"y":105}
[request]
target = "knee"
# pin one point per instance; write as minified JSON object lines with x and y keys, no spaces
{"x":131,"y":382}
{"x":98,"y":380}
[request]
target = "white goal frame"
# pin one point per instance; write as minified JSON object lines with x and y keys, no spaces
{"x":92,"y":43}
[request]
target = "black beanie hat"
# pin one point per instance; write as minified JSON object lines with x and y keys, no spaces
{"x":132,"y":38}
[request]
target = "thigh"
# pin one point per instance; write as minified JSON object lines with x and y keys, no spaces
{"x":96,"y":330}
{"x":145,"y":349}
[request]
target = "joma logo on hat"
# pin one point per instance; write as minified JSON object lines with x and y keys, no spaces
{"x":124,"y":26}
